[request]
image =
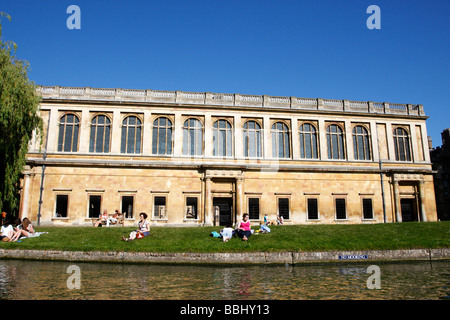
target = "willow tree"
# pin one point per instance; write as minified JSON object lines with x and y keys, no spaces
{"x":18,"y":118}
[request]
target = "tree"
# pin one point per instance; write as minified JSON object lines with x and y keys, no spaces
{"x":19,"y":104}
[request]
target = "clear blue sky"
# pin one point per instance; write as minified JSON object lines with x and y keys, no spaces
{"x":303,"y":48}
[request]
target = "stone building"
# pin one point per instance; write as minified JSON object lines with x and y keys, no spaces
{"x":190,"y":158}
{"x":440,"y":158}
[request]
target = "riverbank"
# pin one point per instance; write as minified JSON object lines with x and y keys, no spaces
{"x":284,"y":244}
{"x":249,"y":258}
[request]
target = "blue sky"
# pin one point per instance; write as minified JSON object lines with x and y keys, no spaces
{"x":303,"y":48}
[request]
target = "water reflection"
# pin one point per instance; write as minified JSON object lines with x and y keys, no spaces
{"x":48,"y":280}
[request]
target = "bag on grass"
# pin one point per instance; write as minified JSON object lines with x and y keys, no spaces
{"x":139,"y":235}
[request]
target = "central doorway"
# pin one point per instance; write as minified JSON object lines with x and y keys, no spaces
{"x":225,"y":205}
{"x":409,"y":212}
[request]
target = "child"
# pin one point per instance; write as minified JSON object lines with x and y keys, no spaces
{"x":266,"y":220}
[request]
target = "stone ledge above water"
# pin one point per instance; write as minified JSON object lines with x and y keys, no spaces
{"x":245,"y":258}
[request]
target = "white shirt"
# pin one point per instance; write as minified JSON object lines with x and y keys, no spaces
{"x":6,"y":230}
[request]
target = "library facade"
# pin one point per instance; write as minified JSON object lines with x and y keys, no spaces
{"x":200,"y":158}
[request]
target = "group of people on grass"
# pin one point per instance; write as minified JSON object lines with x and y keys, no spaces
{"x":243,"y":228}
{"x":11,"y":231}
{"x":143,"y":225}
{"x":280,"y":220}
{"x":104,"y":218}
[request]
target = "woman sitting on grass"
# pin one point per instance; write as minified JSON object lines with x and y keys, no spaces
{"x":243,"y":228}
{"x":142,"y":231}
{"x":24,"y":229}
{"x":103,"y":218}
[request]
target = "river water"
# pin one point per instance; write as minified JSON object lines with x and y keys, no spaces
{"x":47,"y":280}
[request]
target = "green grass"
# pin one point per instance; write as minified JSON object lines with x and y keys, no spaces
{"x":409,"y":235}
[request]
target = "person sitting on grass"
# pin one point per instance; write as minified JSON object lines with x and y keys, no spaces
{"x":280,"y":219}
{"x":113,"y":219}
{"x":24,"y":229}
{"x":142,"y":231}
{"x":103,"y":218}
{"x":243,"y":229}
{"x":7,"y":232}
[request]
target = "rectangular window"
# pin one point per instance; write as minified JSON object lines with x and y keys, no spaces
{"x":159,"y":207}
{"x":253,"y":208}
{"x":367,"y":209}
{"x":283,"y":207}
{"x":62,"y":208}
{"x":191,"y":207}
{"x":95,"y":205}
{"x":313,"y":212}
{"x":340,"y":209}
{"x":127,"y":206}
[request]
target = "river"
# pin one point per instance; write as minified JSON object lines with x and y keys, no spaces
{"x":48,"y":280}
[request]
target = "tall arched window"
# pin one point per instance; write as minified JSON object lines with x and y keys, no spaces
{"x":308,"y":141}
{"x":100,"y":134}
{"x":252,"y":139}
{"x":281,"y":147}
{"x":361,"y":143}
{"x":131,"y":135}
{"x":222,"y":139}
{"x":335,"y":142}
{"x":68,"y":133}
{"x":192,"y":137}
{"x":401,"y":145}
{"x":162,"y":136}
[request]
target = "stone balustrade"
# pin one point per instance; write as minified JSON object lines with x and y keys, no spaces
{"x":227,"y":99}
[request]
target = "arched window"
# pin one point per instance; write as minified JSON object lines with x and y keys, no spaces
{"x":100,"y":134}
{"x":308,"y":141}
{"x":192,"y":137}
{"x":401,"y":145}
{"x":222,"y":139}
{"x":131,"y":135}
{"x":162,"y":136}
{"x":281,"y":147}
{"x":68,"y":133}
{"x":361,"y":143}
{"x":252,"y":139}
{"x":335,"y":142}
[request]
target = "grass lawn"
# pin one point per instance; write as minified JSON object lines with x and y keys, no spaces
{"x":408,"y":235}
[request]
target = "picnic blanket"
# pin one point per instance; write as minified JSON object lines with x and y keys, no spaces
{"x":34,"y":235}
